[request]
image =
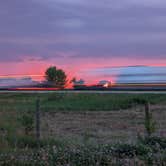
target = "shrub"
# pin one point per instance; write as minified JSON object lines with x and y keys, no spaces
{"x":27,"y":121}
{"x":138,"y":100}
{"x":123,"y":150}
{"x":154,"y":142}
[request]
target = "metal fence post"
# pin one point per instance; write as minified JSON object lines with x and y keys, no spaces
{"x":37,"y":117}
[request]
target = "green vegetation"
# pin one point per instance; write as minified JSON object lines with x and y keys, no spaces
{"x":27,"y":121}
{"x":77,"y":102}
{"x":141,"y":153}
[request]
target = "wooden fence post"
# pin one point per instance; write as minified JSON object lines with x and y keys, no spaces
{"x":147,"y":109}
{"x":149,"y":122}
{"x":37,"y":117}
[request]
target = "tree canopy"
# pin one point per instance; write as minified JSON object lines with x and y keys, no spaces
{"x":56,"y":77}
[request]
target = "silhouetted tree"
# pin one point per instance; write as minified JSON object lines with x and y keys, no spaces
{"x":56,"y":77}
{"x":78,"y":84}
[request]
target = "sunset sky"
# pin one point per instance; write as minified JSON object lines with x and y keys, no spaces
{"x":80,"y":35}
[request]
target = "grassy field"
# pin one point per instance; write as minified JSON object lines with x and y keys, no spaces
{"x":103,"y":116}
{"x":76,"y":102}
{"x":73,"y":120}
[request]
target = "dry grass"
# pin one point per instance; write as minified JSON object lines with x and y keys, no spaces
{"x":101,"y":126}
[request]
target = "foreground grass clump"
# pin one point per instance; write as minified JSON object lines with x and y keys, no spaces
{"x":91,"y":155}
{"x":28,"y":142}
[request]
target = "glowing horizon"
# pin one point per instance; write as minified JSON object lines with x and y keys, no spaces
{"x":115,"y":75}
